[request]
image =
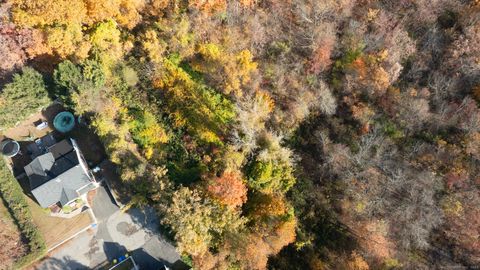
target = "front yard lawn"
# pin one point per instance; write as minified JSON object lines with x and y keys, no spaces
{"x":55,"y":229}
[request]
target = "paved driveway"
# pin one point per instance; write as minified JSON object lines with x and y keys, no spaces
{"x":135,"y":231}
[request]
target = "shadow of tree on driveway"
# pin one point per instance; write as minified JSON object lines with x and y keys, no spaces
{"x":51,"y":263}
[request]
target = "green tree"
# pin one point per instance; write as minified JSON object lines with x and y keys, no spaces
{"x":67,"y":75}
{"x":270,"y":176}
{"x":272,"y":169}
{"x":93,"y":73}
{"x":79,"y":85}
{"x":22,"y":97}
{"x":87,"y":75}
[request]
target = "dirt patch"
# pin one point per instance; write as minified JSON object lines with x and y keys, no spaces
{"x":27,"y":131}
{"x":118,"y":188}
{"x":94,"y":248}
{"x":126,"y":228}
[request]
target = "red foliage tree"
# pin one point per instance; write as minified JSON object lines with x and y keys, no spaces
{"x":16,"y":45}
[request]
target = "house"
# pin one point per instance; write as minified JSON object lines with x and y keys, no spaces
{"x":58,"y":174}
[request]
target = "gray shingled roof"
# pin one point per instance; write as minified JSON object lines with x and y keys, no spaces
{"x":57,"y":175}
{"x":37,"y":170}
{"x":59,"y":159}
{"x":63,"y":188}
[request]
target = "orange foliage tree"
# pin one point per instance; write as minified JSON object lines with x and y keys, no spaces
{"x":367,"y":71}
{"x":208,"y":6}
{"x":320,"y":59}
{"x":228,"y":189}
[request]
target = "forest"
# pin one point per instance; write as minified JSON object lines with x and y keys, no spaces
{"x":272,"y":134}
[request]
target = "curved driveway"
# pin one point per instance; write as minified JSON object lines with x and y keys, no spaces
{"x":135,"y":231}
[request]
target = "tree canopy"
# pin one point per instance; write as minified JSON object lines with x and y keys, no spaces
{"x":25,"y":95}
{"x":271,"y":134}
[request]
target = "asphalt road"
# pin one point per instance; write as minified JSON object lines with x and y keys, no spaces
{"x":116,"y":233}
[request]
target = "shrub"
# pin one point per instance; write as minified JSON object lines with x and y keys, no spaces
{"x":145,"y":129}
{"x":67,"y":209}
{"x":93,"y":73}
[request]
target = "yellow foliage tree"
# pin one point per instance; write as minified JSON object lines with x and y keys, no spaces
{"x":129,"y":13}
{"x":154,"y":46}
{"x":64,"y":23}
{"x":48,"y":12}
{"x":98,"y":11}
{"x":198,"y":222}
{"x":64,"y":40}
{"x":230,"y":71}
{"x":105,"y":38}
